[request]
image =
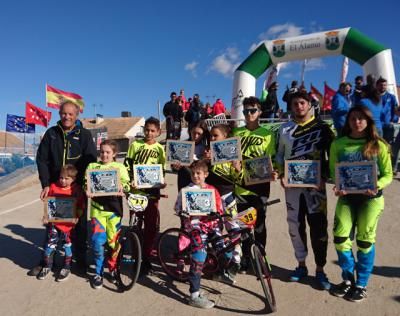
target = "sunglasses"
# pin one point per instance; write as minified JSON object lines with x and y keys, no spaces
{"x":250,"y":111}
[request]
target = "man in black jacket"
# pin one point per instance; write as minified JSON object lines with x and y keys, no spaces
{"x":66,"y":143}
{"x":173,"y":113}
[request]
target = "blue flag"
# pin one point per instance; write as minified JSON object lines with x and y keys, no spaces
{"x":17,"y":124}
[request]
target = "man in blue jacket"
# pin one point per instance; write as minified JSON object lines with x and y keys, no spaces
{"x":340,"y":106}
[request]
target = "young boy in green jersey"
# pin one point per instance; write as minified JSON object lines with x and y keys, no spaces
{"x":256,"y":141}
{"x":148,"y":151}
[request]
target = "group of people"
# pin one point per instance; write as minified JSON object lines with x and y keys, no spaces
{"x":191,"y":111}
{"x":375,"y":96}
{"x":303,"y":137}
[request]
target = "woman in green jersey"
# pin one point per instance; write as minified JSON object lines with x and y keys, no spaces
{"x":360,"y":142}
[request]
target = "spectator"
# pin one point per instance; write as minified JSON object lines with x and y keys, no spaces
{"x":293,"y":89}
{"x":208,"y":111}
{"x":182,"y":95}
{"x":271,"y":105}
{"x":173,"y":113}
{"x":374,"y":103}
{"x":193,"y":115}
{"x":358,"y":90}
{"x":389,"y":104}
{"x":340,"y":106}
{"x":315,"y":104}
{"x":218,"y":107}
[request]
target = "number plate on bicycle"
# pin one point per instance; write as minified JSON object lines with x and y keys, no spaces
{"x":247,"y":217}
{"x":137,"y":202}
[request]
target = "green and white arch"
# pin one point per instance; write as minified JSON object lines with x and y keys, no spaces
{"x":374,"y":58}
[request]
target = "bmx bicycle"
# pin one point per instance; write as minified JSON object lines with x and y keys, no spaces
{"x":131,"y":240}
{"x":174,"y":252}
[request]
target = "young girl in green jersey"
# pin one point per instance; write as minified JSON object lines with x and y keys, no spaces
{"x":106,"y":214}
{"x":360,"y":142}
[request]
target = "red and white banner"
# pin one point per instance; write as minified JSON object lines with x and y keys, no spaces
{"x":36,"y":115}
{"x":328,"y":95}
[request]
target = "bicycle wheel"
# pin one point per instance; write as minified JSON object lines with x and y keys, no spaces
{"x":263,"y":273}
{"x":174,"y":253}
{"x":129,"y":261}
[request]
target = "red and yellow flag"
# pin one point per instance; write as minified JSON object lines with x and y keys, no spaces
{"x":54,"y":97}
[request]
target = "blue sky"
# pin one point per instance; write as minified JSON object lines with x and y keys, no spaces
{"x":126,"y":55}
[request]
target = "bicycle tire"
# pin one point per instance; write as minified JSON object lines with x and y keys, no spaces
{"x":174,"y":253}
{"x":129,"y":261}
{"x":263,"y":274}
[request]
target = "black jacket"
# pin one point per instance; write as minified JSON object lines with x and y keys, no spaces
{"x":56,"y":150}
{"x":174,"y":110}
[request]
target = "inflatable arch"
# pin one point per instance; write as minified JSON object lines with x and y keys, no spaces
{"x":374,"y":58}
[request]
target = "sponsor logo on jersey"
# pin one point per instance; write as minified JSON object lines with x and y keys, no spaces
{"x":143,"y":156}
{"x":247,"y":141}
{"x":306,"y":143}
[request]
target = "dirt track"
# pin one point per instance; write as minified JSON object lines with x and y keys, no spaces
{"x":21,"y":235}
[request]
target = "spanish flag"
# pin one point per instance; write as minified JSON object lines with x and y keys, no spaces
{"x":54,"y":98}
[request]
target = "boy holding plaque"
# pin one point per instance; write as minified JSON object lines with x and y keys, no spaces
{"x":106,"y":212}
{"x":65,"y":187}
{"x":256,"y":142}
{"x":148,"y":151}
{"x":360,"y":142}
{"x":306,"y":138}
{"x":200,"y":228}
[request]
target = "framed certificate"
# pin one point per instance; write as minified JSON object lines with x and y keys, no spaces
{"x":257,"y":170}
{"x":225,"y":150}
{"x":148,"y":176}
{"x":103,"y":182}
{"x":198,"y":202}
{"x":303,"y":173}
{"x":60,"y":209}
{"x":356,"y":177}
{"x":180,"y":152}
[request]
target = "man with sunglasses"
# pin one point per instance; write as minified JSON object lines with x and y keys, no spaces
{"x":256,"y":141}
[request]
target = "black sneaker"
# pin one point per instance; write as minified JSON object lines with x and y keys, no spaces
{"x":97,"y":282}
{"x":35,"y":271}
{"x":64,"y":275}
{"x":44,"y":272}
{"x":358,"y":294}
{"x":341,"y":289}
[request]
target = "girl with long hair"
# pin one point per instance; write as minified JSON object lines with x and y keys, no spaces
{"x":360,"y":142}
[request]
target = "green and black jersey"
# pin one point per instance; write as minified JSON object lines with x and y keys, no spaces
{"x":140,"y":153}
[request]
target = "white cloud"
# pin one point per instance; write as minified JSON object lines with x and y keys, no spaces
{"x":192,"y":67}
{"x":278,"y":31}
{"x":227,"y":62}
{"x":315,"y":64}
